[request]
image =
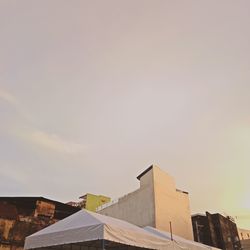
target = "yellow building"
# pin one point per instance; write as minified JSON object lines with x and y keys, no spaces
{"x":92,"y":201}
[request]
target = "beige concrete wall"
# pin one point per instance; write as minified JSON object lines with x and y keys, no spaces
{"x":155,"y":203}
{"x":136,"y":207}
{"x":171,"y":205}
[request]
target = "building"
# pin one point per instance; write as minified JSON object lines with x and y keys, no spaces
{"x":244,"y":235}
{"x":216,"y":230}
{"x":23,"y":216}
{"x":156,"y":203}
{"x":90,"y":202}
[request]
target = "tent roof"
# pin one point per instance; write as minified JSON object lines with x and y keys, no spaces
{"x":88,"y":226}
{"x":182,"y":242}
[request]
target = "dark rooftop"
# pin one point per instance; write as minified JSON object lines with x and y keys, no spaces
{"x":144,"y":172}
{"x":29,"y":200}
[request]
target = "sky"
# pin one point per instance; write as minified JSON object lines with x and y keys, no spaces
{"x":94,"y":92}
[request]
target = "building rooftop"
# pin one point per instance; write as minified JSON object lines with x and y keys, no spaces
{"x":144,"y":172}
{"x":30,"y":201}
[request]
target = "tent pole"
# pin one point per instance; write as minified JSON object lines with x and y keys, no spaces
{"x":103,"y":244}
{"x":171,"y":231}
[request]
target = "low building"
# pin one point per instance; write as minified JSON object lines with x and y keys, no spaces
{"x":244,"y":235}
{"x":23,"y":216}
{"x":156,"y":203}
{"x":216,"y":230}
{"x":90,"y":201}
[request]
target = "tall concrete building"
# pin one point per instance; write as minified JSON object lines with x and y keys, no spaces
{"x":156,"y":203}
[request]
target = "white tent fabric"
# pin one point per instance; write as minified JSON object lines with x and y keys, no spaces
{"x":181,"y":242}
{"x":85,"y":226}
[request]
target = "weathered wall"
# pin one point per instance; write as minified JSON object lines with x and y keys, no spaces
{"x":227,"y":234}
{"x":15,"y":226}
{"x":213,"y":230}
{"x":201,"y":230}
{"x":171,"y":206}
{"x":23,"y":216}
{"x":9,"y":247}
{"x":245,"y":244}
{"x":136,"y":207}
{"x":221,"y":230}
{"x":45,"y":209}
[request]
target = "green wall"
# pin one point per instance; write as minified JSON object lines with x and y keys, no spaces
{"x":94,"y":201}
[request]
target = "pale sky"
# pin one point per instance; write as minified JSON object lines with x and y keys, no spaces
{"x":93,"y":92}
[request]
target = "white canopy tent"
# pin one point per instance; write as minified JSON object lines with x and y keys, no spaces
{"x":181,"y":242}
{"x":85,"y":230}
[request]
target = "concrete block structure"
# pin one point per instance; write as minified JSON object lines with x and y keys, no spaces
{"x":156,"y":203}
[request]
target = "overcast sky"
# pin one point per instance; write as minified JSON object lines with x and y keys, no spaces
{"x":93,"y":92}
